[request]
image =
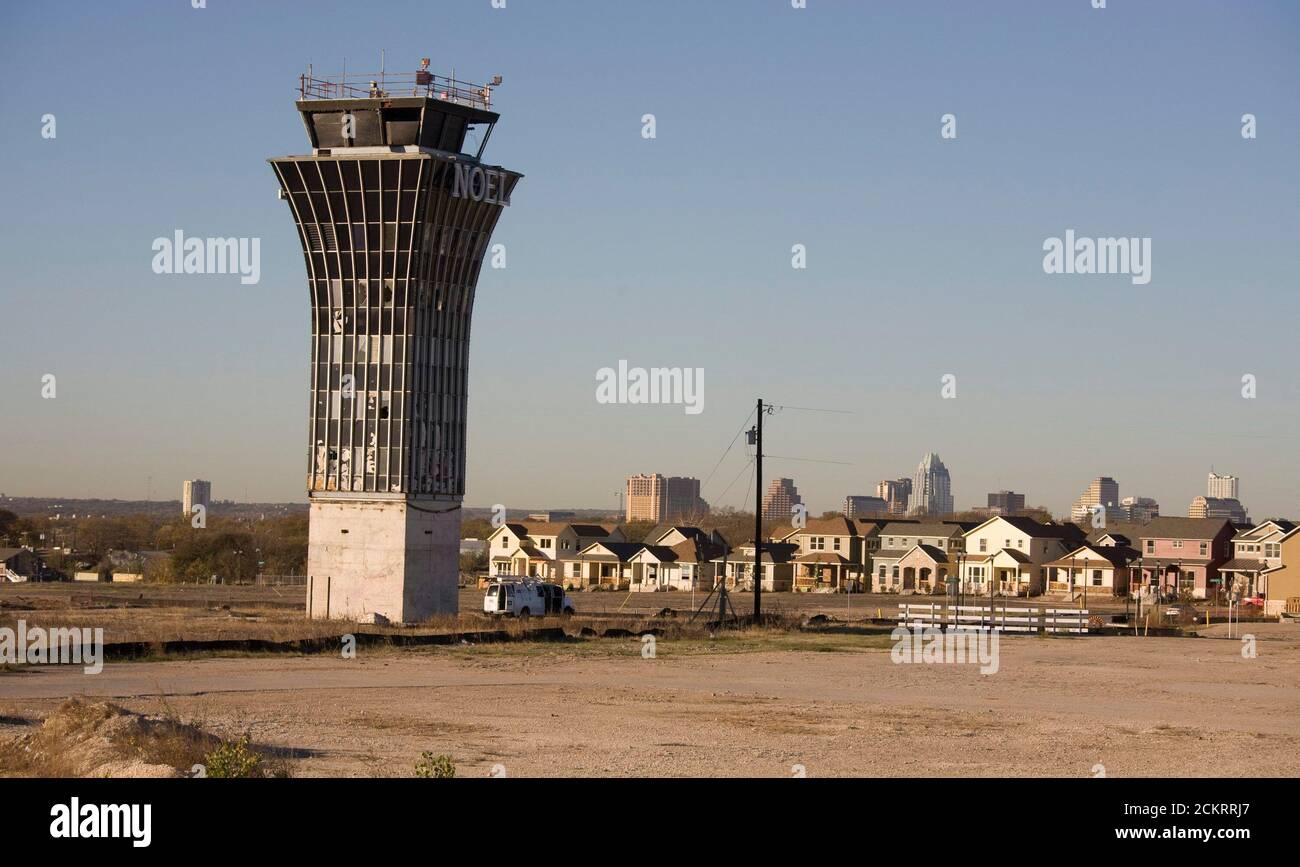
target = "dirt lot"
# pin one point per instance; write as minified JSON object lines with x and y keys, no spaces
{"x":758,"y":704}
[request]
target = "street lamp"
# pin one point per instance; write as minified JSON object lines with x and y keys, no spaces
{"x":992,"y":572}
{"x":1072,"y":571}
{"x":961,"y":582}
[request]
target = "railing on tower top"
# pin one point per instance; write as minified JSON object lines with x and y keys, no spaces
{"x":383,"y":86}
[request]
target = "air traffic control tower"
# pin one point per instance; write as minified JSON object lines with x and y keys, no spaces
{"x":395,"y":209}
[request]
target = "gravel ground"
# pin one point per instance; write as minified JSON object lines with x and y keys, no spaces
{"x":757,"y":706}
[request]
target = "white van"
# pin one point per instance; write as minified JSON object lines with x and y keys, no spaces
{"x":525,"y":597}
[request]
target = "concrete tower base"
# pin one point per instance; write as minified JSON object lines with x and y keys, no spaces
{"x":394,"y":558}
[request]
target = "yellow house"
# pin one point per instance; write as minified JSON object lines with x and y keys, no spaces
{"x":1282,"y":592}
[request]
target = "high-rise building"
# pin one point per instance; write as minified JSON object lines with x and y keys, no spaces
{"x":779,"y":501}
{"x":856,"y":506}
{"x":663,"y":499}
{"x":895,"y":493}
{"x":931,"y":488}
{"x":1222,"y":487}
{"x":1103,"y":491}
{"x":395,"y":208}
{"x":1139,"y":510}
{"x":1219,"y":507}
{"x":1006,"y":503}
{"x":195,"y":492}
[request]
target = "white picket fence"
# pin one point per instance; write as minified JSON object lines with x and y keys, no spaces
{"x":1003,"y":618}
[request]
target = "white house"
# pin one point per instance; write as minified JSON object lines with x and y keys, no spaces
{"x":1102,"y":569}
{"x":1013,"y":552}
{"x":544,"y":549}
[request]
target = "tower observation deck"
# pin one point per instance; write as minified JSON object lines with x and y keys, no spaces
{"x":395,"y":209}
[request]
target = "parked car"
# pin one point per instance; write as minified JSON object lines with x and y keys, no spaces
{"x":526,"y":597}
{"x":1253,"y":601}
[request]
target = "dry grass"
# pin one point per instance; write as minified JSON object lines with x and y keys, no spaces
{"x":154,"y":614}
{"x":99,"y":739}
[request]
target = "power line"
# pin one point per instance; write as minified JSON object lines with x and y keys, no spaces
{"x":733,"y":481}
{"x":815,"y":409}
{"x":748,"y":487}
{"x":725,"y":452}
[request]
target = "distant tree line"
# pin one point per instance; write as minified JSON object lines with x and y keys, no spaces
{"x":230,"y":548}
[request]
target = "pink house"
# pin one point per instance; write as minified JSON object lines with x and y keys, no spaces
{"x":1176,"y":554}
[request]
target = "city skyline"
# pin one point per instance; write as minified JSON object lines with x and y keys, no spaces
{"x":173,"y":376}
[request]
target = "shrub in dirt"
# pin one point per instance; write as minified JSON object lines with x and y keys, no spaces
{"x":437,"y":767}
{"x":233,"y":761}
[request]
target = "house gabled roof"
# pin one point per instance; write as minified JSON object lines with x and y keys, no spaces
{"x":700,"y":550}
{"x":1200,"y":529}
{"x":784,"y":552}
{"x":1096,"y":537}
{"x":1273,"y":525}
{"x":935,"y":554}
{"x":824,"y":557}
{"x":1244,"y":564}
{"x":690,"y":532}
{"x":890,"y":554}
{"x":1018,"y":556}
{"x":834,"y":526}
{"x":622,"y":551}
{"x":543,"y":528}
{"x":938,"y":529}
{"x":1118,"y":556}
{"x":662,"y":553}
{"x":1034,"y":529}
{"x":588,"y":530}
{"x":873,"y":526}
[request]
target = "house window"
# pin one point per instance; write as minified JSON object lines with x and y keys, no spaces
{"x":882,"y":571}
{"x":984,"y":545}
{"x":1204,"y":548}
{"x":1178,"y":543}
{"x":895,"y":573}
{"x":1151,"y":546}
{"x":1096,"y":577}
{"x":836,"y":543}
{"x":546,"y":543}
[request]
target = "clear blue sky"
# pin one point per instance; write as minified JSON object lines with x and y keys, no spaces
{"x":775,"y":127}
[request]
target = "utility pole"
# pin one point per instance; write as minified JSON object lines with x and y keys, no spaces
{"x":758,"y":520}
{"x":756,"y":440}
